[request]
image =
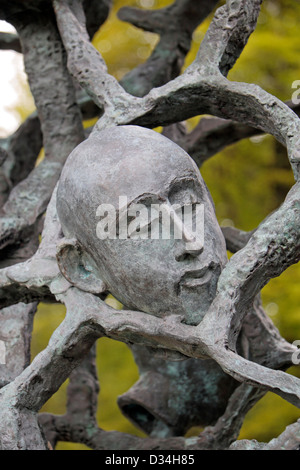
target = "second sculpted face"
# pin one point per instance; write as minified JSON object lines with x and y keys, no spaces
{"x":163,"y":276}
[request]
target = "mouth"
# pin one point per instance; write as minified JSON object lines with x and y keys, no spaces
{"x":197,"y":277}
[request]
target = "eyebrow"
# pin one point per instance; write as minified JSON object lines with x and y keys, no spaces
{"x":142,"y":197}
{"x":136,"y":200}
{"x":182,"y":179}
{"x":178,"y":179}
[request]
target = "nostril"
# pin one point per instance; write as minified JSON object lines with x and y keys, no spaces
{"x":182,"y":257}
{"x":186,"y":255}
{"x":187,"y":250}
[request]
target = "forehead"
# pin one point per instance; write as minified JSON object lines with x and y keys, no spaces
{"x":131,"y":160}
{"x":124,"y":161}
{"x":150,"y":172}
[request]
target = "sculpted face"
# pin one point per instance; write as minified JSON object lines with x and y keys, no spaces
{"x":157,"y":276}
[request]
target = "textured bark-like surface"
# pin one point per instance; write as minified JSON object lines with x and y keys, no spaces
{"x":82,"y":398}
{"x":236,"y":239}
{"x":203,"y":90}
{"x":190,"y":95}
{"x":96,"y":12}
{"x":273,"y":247}
{"x":228,"y":426}
{"x":77,"y":333}
{"x":285,"y":128}
{"x":171,"y":397}
{"x":58,"y":113}
{"x":288,"y":440}
{"x":84,"y":429}
{"x":228,"y":34}
{"x":59,"y":116}
{"x":216,"y":437}
{"x":122,"y":327}
{"x":85,"y":62}
{"x":38,"y":276}
{"x":19,"y":152}
{"x":262,"y":341}
{"x":209,"y":137}
{"x":235,"y":319}
{"x":175,"y":25}
{"x":16,"y":328}
{"x":22,"y":148}
{"x":212,"y":135}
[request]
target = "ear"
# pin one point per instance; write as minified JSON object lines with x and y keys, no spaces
{"x":78,"y":267}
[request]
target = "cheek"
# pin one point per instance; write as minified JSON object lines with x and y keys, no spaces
{"x":137,"y":261}
{"x":214,"y":240}
{"x":142,"y":275}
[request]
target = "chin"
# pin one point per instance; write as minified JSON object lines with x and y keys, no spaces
{"x":196,"y":299}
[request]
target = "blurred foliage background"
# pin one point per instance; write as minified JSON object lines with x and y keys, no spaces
{"x":247,"y":182}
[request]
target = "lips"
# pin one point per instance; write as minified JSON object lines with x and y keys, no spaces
{"x":197,"y":277}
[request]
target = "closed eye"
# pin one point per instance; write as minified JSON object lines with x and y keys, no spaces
{"x":185,"y":191}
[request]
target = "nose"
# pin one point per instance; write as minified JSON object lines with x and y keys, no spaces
{"x":185,"y":250}
{"x":190,"y":245}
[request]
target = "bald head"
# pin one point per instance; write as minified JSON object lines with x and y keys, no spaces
{"x":120,"y":161}
{"x":138,"y":163}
